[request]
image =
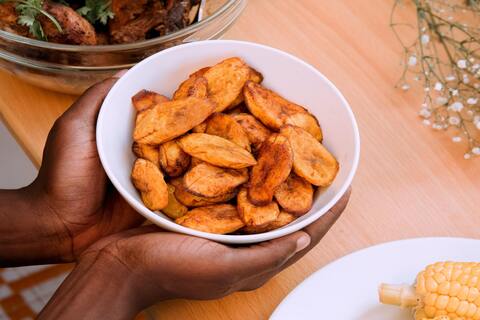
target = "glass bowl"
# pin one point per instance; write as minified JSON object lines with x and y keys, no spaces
{"x":72,"y":68}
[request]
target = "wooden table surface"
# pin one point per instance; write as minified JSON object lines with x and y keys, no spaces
{"x":412,"y":182}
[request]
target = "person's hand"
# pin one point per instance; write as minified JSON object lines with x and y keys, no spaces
{"x":122,"y":274}
{"x":167,"y":265}
{"x":77,"y":202}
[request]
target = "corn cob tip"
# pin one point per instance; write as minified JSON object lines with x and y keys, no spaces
{"x":402,"y":295}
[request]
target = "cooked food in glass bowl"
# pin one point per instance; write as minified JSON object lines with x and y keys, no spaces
{"x":92,"y":44}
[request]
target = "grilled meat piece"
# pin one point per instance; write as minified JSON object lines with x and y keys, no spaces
{"x":76,"y":30}
{"x":8,"y":19}
{"x":139,"y":28}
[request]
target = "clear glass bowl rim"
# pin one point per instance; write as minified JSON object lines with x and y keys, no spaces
{"x":116,"y":47}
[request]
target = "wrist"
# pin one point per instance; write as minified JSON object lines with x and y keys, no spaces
{"x":28,"y":235}
{"x":99,"y":287}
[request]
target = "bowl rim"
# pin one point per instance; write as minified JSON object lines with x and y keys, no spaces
{"x":117,"y":47}
{"x":251,"y":238}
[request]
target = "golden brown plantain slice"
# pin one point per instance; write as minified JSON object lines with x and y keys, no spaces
{"x":200,"y":128}
{"x":225,"y":126}
{"x":241,"y":108}
{"x":226,"y":80}
{"x":187,"y":85}
{"x":307,"y":122}
{"x":311,"y":160}
{"x":274,"y":165}
{"x":282,"y":220}
{"x":253,"y":215}
{"x":147,"y":152}
{"x":295,"y":195}
{"x":172,"y":159}
{"x":275,"y":111}
{"x":194,"y":162}
{"x":255,"y":130}
{"x":220,"y":219}
{"x":148,"y":179}
{"x":209,"y":181}
{"x":254,"y":76}
{"x":216,"y":150}
{"x":191,"y":200}
{"x":145,"y":99}
{"x":175,"y":209}
{"x":171,"y":119}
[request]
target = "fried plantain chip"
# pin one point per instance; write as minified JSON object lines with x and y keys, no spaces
{"x":172,"y":159}
{"x":253,"y":215}
{"x":200,"y":128}
{"x":220,"y":219}
{"x":241,"y":108}
{"x":185,"y":87}
{"x":147,"y":152}
{"x":223,"y":125}
{"x":174,"y":209}
{"x":311,"y":160}
{"x":254,"y":76}
{"x":275,"y":111}
{"x":255,"y":130}
{"x":226,"y":80}
{"x":307,"y":122}
{"x":148,"y":179}
{"x":282,"y":220}
{"x":209,"y":181}
{"x":191,"y":200}
{"x":216,"y":150}
{"x":295,"y":195}
{"x":194,"y":162}
{"x":274,"y":165}
{"x":171,"y":119}
{"x":145,"y":99}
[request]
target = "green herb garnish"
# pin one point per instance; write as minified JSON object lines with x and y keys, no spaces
{"x":28,"y":11}
{"x":96,"y":11}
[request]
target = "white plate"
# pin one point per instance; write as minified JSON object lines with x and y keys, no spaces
{"x":346,"y":289}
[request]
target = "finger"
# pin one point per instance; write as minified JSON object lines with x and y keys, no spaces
{"x":88,"y":105}
{"x":266,"y":256}
{"x":318,"y":229}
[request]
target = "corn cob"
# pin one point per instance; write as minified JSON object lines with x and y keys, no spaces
{"x":443,"y":291}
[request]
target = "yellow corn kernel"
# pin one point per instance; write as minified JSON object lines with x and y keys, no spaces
{"x":443,"y":291}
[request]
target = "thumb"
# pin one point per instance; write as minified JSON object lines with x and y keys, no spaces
{"x":270,"y":255}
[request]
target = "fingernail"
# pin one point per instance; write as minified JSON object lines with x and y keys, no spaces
{"x":120,"y":73}
{"x":302,"y":242}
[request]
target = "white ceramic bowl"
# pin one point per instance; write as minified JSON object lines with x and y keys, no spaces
{"x":284,"y":73}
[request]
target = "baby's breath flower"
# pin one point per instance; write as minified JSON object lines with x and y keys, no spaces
{"x":426,"y":122}
{"x":425,"y":112}
{"x":441,"y":101}
{"x":450,"y":77}
{"x":425,"y":38}
{"x":462,"y":63}
{"x":454,"y":92}
{"x":467,"y":156}
{"x":412,"y":60}
{"x":457,"y":139}
{"x":405,"y":86}
{"x":466,"y":79}
{"x":456,"y":106}
{"x":438,"y":86}
{"x":454,"y":120}
{"x":437,"y":126}
{"x":476,"y":151}
{"x":472,"y":101}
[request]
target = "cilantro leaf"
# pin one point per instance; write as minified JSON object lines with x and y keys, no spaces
{"x":96,"y":11}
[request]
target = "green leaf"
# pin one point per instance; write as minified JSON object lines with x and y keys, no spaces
{"x":96,"y":11}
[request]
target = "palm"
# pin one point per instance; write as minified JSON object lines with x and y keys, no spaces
{"x":76,"y":186}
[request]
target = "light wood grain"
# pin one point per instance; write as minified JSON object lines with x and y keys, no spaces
{"x":411,"y":182}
